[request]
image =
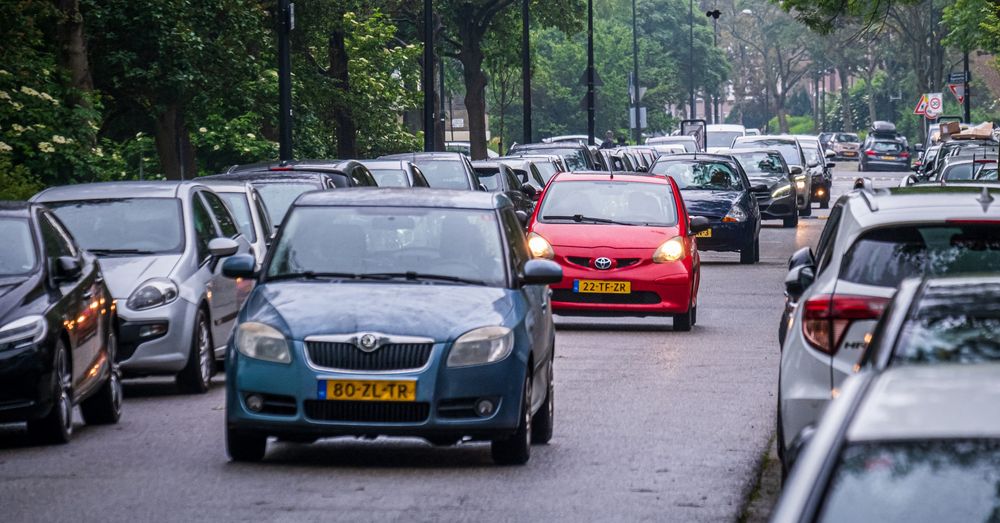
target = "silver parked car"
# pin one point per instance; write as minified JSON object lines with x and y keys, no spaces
{"x":161,"y":245}
{"x":913,"y":443}
{"x":248,"y":209}
{"x":395,"y":173}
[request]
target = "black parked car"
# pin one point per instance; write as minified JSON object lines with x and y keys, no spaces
{"x":498,"y":177}
{"x":577,"y":157}
{"x":57,"y":338}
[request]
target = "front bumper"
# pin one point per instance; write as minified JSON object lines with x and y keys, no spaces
{"x":26,"y":383}
{"x":846,"y":154}
{"x":728,"y":236}
{"x":776,"y":208}
{"x":165,"y":353}
{"x":821,"y":189}
{"x":436,"y":411}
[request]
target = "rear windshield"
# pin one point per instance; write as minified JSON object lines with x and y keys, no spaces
{"x":915,"y":481}
{"x":887,"y":147}
{"x":885,"y":257}
{"x":490,"y":180}
{"x":444,"y":174}
{"x":955,"y":323}
{"x":628,"y":203}
{"x":692,"y":175}
{"x":573,"y":157}
{"x":547,"y":170}
{"x":721,"y":139}
{"x":279,"y":196}
{"x":18,"y":255}
{"x":847,"y":137}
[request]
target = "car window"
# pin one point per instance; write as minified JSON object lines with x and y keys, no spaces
{"x":886,"y":256}
{"x":390,"y":177}
{"x":278,"y":196}
{"x":701,"y":175}
{"x":623,"y":202}
{"x":789,"y":151}
{"x":846,"y":137}
{"x":824,"y":248}
{"x":721,"y":138}
{"x":514,"y":178}
{"x":18,"y":255}
{"x":456,"y":243}
{"x":56,"y":240}
{"x":240,"y":208}
{"x":265,"y":219}
{"x":204,"y":229}
{"x":419,"y":180}
{"x":546,"y":170}
{"x":954,"y":323}
{"x":490,"y":179}
{"x":444,"y":174}
{"x":516,"y":242}
{"x":917,"y":481}
{"x":886,"y":147}
{"x":222,"y":215}
{"x":762,"y":164}
{"x":124,"y":225}
{"x":811,"y":153}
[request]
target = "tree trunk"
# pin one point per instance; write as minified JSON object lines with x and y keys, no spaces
{"x":845,"y":101}
{"x":343,"y":117}
{"x":73,"y":57}
{"x":173,"y":144}
{"x":471,"y":57}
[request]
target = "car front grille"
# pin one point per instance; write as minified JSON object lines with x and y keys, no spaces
{"x":346,"y":356}
{"x":367,"y":411}
{"x":620,"y":263}
{"x":634,"y":298}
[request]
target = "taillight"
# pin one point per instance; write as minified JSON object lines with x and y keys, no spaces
{"x":826,"y":318}
{"x":870,"y":153}
{"x":904,"y":154}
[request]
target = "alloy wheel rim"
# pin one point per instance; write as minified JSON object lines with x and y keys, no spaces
{"x":527,"y":413}
{"x":204,"y":352}
{"x":65,"y":379}
{"x":116,"y":381}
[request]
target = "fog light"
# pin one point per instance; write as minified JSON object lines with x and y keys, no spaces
{"x":484,"y":407}
{"x":255,"y":402}
{"x":149,"y":331}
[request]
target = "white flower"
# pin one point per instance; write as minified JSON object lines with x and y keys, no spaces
{"x":251,"y":136}
{"x":4,"y":95}
{"x":99,"y":152}
{"x":4,"y":148}
{"x":60,"y":139}
{"x":18,"y":128}
{"x":202,"y":130}
{"x":215,"y":147}
{"x":29,"y":91}
{"x":46,"y":147}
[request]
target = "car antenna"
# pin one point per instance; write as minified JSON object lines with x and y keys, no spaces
{"x":985,"y":198}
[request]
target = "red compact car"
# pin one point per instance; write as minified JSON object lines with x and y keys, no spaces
{"x":626,"y":245}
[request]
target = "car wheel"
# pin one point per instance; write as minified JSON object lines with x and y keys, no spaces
{"x":694,"y":315}
{"x":242,"y":445}
{"x":105,"y":407}
{"x":516,"y":449}
{"x":683,"y":321}
{"x":791,"y":221}
{"x":196,"y":377}
{"x":748,"y":255}
{"x":541,"y":430}
{"x":807,"y":211}
{"x":57,"y":425}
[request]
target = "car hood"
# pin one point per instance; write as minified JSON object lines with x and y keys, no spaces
{"x":607,"y":236}
{"x":710,"y":204}
{"x":772,"y":182}
{"x":20,"y":297}
{"x":438,"y":311}
{"x":124,"y":273}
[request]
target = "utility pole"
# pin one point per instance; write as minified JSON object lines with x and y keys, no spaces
{"x":635,"y":78}
{"x":525,"y":70}
{"x":591,"y":125}
{"x":714,"y":15}
{"x":441,"y":112}
{"x":286,"y":23}
{"x":428,"y":76}
{"x":968,"y":94}
{"x":693,"y":113}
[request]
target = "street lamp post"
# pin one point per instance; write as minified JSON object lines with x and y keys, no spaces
{"x":590,"y":72}
{"x":693,"y":112}
{"x":428,"y":75}
{"x":637,"y":92}
{"x":286,"y":22}
{"x":714,"y":15}
{"x":526,"y":69}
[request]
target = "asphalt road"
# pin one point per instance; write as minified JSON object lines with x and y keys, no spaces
{"x":650,"y":425}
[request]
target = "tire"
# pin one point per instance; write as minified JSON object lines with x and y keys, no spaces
{"x":825,"y":204}
{"x":245,"y":446}
{"x":516,"y":449}
{"x":196,"y":377}
{"x":750,"y":254}
{"x":694,"y":315}
{"x":105,"y":406}
{"x":57,"y":426}
{"x":807,"y":211}
{"x":683,"y":321}
{"x":790,"y":222}
{"x":861,"y":167}
{"x":780,"y":437}
{"x":542,"y":421}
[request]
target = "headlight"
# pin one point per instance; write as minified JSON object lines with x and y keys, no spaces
{"x":782,"y":191}
{"x":262,"y":342}
{"x":482,"y":345}
{"x":800,"y":183}
{"x":152,"y":293}
{"x":540,"y":247}
{"x":22,"y":333}
{"x":670,"y":251}
{"x":736,"y":214}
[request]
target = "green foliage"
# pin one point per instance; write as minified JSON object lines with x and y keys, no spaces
{"x":796,"y":124}
{"x":16,"y":181}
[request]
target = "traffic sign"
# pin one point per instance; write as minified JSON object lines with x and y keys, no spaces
{"x":921,"y":107}
{"x":935,"y":104}
{"x":959,"y":91}
{"x":957,"y":78}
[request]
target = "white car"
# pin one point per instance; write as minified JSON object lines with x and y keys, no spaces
{"x":720,"y":137}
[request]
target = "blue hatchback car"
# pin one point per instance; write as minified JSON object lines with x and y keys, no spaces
{"x":398,"y":313}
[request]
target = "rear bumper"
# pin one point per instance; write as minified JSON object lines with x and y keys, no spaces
{"x":729,"y":236}
{"x":894,"y":165}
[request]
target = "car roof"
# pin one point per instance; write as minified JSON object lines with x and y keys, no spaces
{"x":928,"y":402}
{"x":675,"y":138}
{"x":697,"y":156}
{"x":269,"y":176}
{"x":922,"y":204}
{"x":384,"y":164}
{"x":603,"y":176}
{"x":404,"y":197}
{"x":225,"y":185}
{"x":724,"y":127}
{"x":111,"y":190}
{"x":750,"y":150}
{"x":546,"y":146}
{"x":434,"y":155}
{"x":14,"y":209}
{"x":765,"y":138}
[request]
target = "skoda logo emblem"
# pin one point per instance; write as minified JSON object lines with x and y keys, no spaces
{"x":603,"y":263}
{"x":368,"y":342}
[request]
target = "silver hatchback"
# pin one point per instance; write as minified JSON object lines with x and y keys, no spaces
{"x":161,"y":246}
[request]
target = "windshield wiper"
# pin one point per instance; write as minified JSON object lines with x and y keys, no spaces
{"x":313,"y":275}
{"x":112,"y":252}
{"x":411,"y":275}
{"x":581,"y":218}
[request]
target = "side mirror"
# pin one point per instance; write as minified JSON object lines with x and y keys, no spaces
{"x":758,"y":188}
{"x":541,"y":272}
{"x":813,"y":164}
{"x":829,"y":154}
{"x":66,"y":268}
{"x":698,"y":224}
{"x":522,"y":217}
{"x":483,"y":188}
{"x":798,"y":280}
{"x":222,"y":247}
{"x":798,"y":445}
{"x":795,"y":169}
{"x":831,"y":165}
{"x":240,"y":266}
{"x":803,"y":256}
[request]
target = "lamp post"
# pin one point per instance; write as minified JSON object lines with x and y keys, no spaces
{"x":428,"y":76}
{"x":526,"y":69}
{"x":637,"y":92}
{"x":693,"y":112}
{"x":590,"y":72}
{"x":286,"y":22}
{"x":714,"y":15}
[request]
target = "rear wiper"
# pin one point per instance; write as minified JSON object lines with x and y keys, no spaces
{"x":106,"y":252}
{"x":581,"y":218}
{"x":411,"y":275}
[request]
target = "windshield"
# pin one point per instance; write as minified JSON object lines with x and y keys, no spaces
{"x":956,"y":323}
{"x":18,"y":255}
{"x":390,"y":178}
{"x":721,"y":138}
{"x":789,"y":151}
{"x":457,"y":243}
{"x":885,"y":257}
{"x":279,"y":196}
{"x":126,"y":225}
{"x":444,"y":174}
{"x":761,"y":165}
{"x":489,"y":179}
{"x":240,"y":207}
{"x":962,"y":171}
{"x":811,"y":153}
{"x":628,"y":203}
{"x":847,"y":137}
{"x":710,"y":176}
{"x":886,"y":147}
{"x":915,"y":481}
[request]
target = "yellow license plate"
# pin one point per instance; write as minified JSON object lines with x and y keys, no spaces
{"x":368,"y":390}
{"x":602,"y":287}
{"x":888,"y":157}
{"x":849,"y":153}
{"x":707,"y":233}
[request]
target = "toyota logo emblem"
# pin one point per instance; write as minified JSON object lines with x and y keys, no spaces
{"x":603,"y":263}
{"x":368,"y":342}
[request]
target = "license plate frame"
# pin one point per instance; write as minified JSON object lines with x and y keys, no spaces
{"x":888,"y":158}
{"x":401,"y":390}
{"x":602,"y":287}
{"x":707,"y":233}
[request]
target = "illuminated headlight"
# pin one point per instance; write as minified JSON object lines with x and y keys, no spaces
{"x":670,"y":251}
{"x":22,"y":332}
{"x":152,"y":293}
{"x":782,"y":191}
{"x":482,"y":345}
{"x":262,"y":342}
{"x":736,"y":214}
{"x":540,"y":247}
{"x":800,"y":183}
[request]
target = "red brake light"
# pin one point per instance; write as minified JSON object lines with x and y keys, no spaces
{"x":904,"y":154}
{"x":826,"y":318}
{"x":870,"y":153}
{"x":280,"y":168}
